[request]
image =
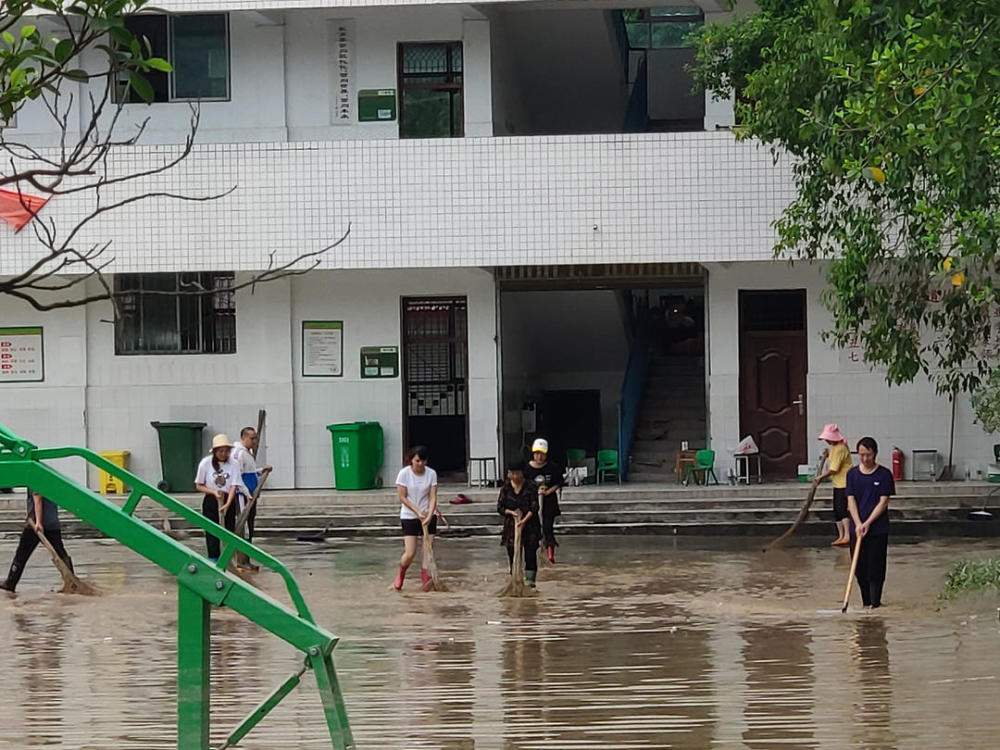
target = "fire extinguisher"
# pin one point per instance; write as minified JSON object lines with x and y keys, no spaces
{"x":897,"y":464}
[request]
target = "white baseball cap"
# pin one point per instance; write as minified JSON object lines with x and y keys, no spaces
{"x":540,"y":446}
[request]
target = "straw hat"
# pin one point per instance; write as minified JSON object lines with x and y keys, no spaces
{"x":221,"y":441}
{"x":832,"y":433}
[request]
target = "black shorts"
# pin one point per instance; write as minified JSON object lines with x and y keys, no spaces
{"x":413,"y":527}
{"x":840,"y":504}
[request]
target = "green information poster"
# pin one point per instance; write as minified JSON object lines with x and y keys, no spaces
{"x":322,"y":348}
{"x":379,"y":361}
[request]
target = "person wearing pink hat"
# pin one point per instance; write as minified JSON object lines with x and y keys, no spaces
{"x":838,"y":461}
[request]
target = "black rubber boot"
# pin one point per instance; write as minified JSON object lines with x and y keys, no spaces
{"x":10,"y":582}
{"x":876,"y":593}
{"x":69,"y":563}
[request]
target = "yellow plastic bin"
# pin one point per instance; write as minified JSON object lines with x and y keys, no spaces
{"x":107,"y":484}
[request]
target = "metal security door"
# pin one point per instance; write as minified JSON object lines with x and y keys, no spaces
{"x":435,"y":382}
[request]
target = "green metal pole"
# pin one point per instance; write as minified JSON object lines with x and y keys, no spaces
{"x":194,"y":669}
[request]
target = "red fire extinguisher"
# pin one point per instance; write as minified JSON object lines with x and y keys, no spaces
{"x":897,"y":464}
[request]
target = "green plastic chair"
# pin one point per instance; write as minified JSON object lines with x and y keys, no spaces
{"x":704,"y":462}
{"x":607,"y":463}
{"x":575,"y":457}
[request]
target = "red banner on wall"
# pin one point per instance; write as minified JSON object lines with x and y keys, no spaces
{"x":17,"y":209}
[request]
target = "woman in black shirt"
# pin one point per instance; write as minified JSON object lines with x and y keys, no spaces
{"x":520,"y":494}
{"x":548,"y":477}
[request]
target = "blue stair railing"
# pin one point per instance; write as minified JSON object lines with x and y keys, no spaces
{"x":633,"y":385}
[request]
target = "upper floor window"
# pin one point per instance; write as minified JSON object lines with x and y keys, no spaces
{"x":662,"y":28}
{"x":430,"y":90}
{"x":196,"y":45}
{"x":175,"y":313}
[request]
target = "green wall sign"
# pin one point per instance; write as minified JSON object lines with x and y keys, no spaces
{"x":377,"y":105}
{"x":379,"y":361}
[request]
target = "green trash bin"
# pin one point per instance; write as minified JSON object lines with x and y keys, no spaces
{"x":357,"y":455}
{"x":180,"y":452}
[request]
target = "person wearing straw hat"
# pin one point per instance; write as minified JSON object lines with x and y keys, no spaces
{"x":838,"y":462}
{"x":548,"y":477}
{"x":220,"y":480}
{"x":869,"y":487}
{"x":519,"y":494}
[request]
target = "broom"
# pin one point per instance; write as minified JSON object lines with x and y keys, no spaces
{"x":517,"y":588}
{"x":800,"y":519}
{"x":241,"y":523}
{"x":430,"y":565}
{"x":72,"y":584}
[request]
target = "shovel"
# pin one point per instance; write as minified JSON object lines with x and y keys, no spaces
{"x":241,"y":522}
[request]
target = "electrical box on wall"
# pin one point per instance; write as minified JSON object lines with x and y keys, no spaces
{"x":377,"y":105}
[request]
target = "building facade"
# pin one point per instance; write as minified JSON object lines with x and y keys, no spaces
{"x":523,"y":194}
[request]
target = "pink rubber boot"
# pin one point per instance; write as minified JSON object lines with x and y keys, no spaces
{"x":398,"y":583}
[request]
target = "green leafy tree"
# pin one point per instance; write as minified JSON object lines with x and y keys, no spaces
{"x":33,"y":62}
{"x":888,"y":114}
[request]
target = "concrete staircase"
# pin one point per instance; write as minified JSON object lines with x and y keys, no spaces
{"x":920,"y":509}
{"x":672,"y":410}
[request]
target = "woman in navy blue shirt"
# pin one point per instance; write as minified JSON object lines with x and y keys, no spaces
{"x":869,"y":487}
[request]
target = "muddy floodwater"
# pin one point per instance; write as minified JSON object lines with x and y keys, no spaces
{"x":633,"y":642}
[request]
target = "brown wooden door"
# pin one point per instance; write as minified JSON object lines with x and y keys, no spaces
{"x":773,"y":368}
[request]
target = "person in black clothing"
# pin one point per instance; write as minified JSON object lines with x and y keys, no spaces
{"x":520,"y":494}
{"x":38,"y":506}
{"x":548,"y":477}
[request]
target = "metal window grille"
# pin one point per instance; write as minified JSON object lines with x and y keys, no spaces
{"x":436,"y":356}
{"x":175,"y":313}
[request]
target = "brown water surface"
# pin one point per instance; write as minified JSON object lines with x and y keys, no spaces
{"x":632,"y":643}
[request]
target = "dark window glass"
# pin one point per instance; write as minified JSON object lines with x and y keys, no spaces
{"x":200,"y":56}
{"x":662,"y":28}
{"x":430,"y":86}
{"x":196,"y":45}
{"x":168,"y":313}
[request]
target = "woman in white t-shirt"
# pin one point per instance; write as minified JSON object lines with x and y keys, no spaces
{"x":220,"y":479}
{"x":416,"y":485}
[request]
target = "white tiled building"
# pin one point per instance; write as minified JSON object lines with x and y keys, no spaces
{"x":515,"y":177}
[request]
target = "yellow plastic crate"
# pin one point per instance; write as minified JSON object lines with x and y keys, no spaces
{"x":108,"y":484}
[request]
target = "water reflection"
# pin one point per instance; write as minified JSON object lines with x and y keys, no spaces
{"x":779,"y":678}
{"x":672,"y":646}
{"x":870,"y":668}
{"x":40,"y":642}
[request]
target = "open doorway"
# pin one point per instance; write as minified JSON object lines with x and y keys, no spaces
{"x":567,"y":335}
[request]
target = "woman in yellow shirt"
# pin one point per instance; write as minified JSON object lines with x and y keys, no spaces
{"x":838,"y":462}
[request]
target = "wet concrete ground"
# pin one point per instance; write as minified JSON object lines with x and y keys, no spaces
{"x":633,"y":643}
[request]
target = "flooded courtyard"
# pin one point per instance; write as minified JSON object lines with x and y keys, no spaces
{"x":633,"y":642}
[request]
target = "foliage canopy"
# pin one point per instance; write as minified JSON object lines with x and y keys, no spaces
{"x":890,"y":113}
